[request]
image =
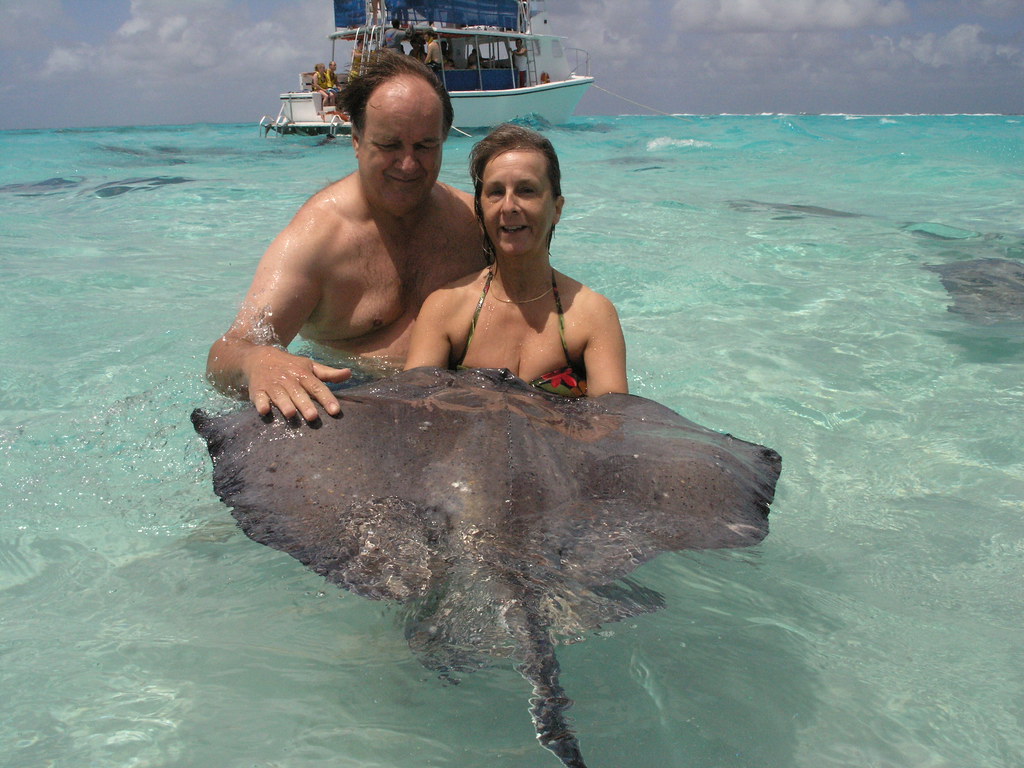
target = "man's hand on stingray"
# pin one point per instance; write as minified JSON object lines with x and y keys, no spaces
{"x":292,"y":384}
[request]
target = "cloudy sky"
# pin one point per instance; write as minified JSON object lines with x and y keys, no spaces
{"x":70,"y":63}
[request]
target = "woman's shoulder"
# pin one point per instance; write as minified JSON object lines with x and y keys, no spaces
{"x":449,"y":296}
{"x":586,"y":311}
{"x":580,"y":296}
{"x":469,"y":283}
{"x":450,"y":307}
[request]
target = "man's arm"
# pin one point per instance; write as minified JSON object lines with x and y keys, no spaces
{"x":250,"y":359}
{"x":270,"y":376}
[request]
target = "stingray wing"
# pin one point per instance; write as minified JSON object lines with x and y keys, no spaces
{"x":605,"y":484}
{"x":985,"y":291}
{"x":365,"y":499}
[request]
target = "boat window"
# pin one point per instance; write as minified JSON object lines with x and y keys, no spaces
{"x":556,"y":49}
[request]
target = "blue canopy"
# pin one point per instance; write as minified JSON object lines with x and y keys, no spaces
{"x":489,"y":13}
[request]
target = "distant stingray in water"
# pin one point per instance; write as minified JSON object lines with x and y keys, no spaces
{"x":501,"y":516}
{"x":791,"y":211}
{"x":58,"y":185}
{"x":52,"y":186}
{"x":936,"y":231}
{"x":164,"y":154}
{"x":985,"y":291}
{"x":114,"y":188}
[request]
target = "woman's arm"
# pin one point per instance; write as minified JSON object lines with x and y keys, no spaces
{"x":605,"y":353}
{"x":430,"y":343}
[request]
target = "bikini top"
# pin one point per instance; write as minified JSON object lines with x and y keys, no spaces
{"x":566,"y":381}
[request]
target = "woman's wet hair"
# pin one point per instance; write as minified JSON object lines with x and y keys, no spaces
{"x":382,"y":66}
{"x":508,"y":137}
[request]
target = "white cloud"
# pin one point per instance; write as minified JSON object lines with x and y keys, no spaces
{"x":785,"y":15}
{"x":631,"y":47}
{"x":160,"y":61}
{"x":24,"y":23}
{"x":164,"y":41}
{"x":963,"y":46}
{"x":613,"y":31}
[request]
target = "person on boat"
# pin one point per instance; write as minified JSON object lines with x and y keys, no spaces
{"x":417,"y":47}
{"x":394,"y":36}
{"x":519,"y":313}
{"x":321,"y":84}
{"x":519,"y":60}
{"x":434,"y":59}
{"x":352,"y":268}
{"x":357,"y":60}
{"x":334,"y":87}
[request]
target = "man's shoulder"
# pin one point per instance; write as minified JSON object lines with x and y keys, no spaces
{"x":337,"y":203}
{"x":454,"y":200}
{"x":327,"y":221}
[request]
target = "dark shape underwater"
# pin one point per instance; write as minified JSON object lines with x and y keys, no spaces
{"x":502,"y":517}
{"x":985,"y":291}
{"x":115,"y":188}
{"x":42,"y":188}
{"x":789,"y":210}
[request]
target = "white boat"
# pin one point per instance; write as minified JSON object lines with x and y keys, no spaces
{"x":490,"y":77}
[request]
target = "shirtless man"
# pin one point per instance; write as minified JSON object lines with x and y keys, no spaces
{"x":353,"y":267}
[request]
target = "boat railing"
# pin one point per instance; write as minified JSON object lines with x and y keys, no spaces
{"x":367,"y":40}
{"x":336,"y":125}
{"x":582,"y":61}
{"x":278,"y":124}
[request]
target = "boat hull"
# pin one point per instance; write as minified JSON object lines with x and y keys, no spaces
{"x":551,"y":102}
{"x":302,"y":114}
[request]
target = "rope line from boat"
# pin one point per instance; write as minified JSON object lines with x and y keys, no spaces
{"x":644,"y":106}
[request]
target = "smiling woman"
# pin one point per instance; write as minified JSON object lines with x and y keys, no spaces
{"x":543,"y":326}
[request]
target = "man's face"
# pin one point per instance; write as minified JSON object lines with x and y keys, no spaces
{"x":399,"y":148}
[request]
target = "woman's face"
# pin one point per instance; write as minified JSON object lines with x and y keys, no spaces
{"x":516,"y":201}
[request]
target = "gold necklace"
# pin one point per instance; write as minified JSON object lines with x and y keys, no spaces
{"x":524,"y":301}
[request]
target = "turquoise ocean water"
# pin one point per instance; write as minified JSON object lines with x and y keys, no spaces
{"x":878,"y":625}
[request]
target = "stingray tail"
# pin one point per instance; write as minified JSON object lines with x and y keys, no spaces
{"x":549,"y":702}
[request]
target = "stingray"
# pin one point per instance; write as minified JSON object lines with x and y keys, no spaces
{"x":790,"y":210}
{"x":115,"y":188}
{"x":985,"y":291}
{"x":502,"y":518}
{"x":51,"y":186}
